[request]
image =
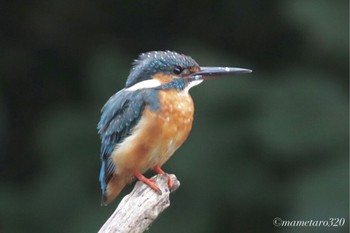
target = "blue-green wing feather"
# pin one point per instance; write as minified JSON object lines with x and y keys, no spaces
{"x":118,"y":117}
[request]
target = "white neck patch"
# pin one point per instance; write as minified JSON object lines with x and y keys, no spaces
{"x":144,"y":84}
{"x":192,"y":84}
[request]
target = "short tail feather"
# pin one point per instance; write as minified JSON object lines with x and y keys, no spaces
{"x":114,"y":187}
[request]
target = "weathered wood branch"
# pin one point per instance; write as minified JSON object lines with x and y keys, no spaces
{"x":141,"y":207}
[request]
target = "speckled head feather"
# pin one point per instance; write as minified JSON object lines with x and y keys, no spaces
{"x":155,"y":62}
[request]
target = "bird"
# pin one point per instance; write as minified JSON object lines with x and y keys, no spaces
{"x":143,"y":124}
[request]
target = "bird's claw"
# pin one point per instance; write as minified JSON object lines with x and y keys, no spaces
{"x":161,"y":172}
{"x":148,"y":182}
{"x":153,"y":186}
{"x":170,"y":182}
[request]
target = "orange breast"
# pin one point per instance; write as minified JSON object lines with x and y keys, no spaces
{"x":158,"y":134}
{"x":176,"y":117}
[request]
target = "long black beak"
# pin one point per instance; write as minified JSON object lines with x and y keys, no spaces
{"x":214,"y":72}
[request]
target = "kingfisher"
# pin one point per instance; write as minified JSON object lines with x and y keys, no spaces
{"x":143,"y":124}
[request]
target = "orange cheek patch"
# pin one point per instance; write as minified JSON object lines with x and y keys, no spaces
{"x":194,"y":69}
{"x":163,"y":79}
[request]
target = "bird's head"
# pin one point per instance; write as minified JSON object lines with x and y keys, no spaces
{"x":167,"y":69}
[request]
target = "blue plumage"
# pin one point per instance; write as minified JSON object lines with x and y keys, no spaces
{"x":118,"y":117}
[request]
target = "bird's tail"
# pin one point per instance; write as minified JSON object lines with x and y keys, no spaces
{"x":115,"y":185}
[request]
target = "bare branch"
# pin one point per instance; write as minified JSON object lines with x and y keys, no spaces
{"x":141,"y":207}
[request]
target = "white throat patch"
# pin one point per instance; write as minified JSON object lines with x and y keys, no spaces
{"x":192,"y":84}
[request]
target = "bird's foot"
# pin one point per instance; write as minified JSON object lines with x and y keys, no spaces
{"x":161,"y":172}
{"x":148,"y":182}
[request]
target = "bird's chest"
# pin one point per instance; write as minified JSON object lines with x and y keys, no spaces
{"x":175,"y":116}
{"x":176,"y":108}
{"x":158,"y":134}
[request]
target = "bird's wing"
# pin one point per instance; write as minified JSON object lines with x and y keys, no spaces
{"x":118,"y":117}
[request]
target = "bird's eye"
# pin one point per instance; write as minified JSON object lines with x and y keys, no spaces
{"x":178,"y":70}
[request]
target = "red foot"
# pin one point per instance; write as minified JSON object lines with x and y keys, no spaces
{"x":149,"y":182}
{"x":161,"y":172}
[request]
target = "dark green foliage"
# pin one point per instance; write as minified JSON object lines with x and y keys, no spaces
{"x":273,"y":143}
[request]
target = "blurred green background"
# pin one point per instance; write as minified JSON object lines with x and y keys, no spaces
{"x":270,"y":144}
